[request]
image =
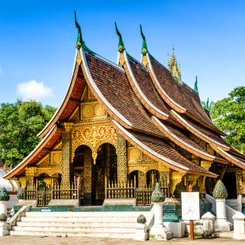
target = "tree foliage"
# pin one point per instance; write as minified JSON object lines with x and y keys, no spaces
{"x":229,"y":115}
{"x":19,"y":124}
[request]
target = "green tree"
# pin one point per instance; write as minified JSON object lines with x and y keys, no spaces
{"x":19,"y":124}
{"x":229,"y":115}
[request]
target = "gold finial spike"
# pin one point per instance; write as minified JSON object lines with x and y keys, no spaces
{"x":173,"y":65}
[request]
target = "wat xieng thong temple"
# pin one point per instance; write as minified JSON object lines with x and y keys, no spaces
{"x":123,"y":127}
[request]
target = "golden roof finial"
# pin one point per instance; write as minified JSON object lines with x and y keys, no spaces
{"x":173,"y":65}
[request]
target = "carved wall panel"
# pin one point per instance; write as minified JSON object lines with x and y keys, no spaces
{"x":145,"y":167}
{"x":93,"y":111}
{"x":93,"y":136}
{"x":56,"y":158}
{"x":50,"y":171}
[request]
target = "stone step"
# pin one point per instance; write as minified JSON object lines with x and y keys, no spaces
{"x":76,"y":224}
{"x":73,"y":229}
{"x":69,"y":234}
{"x":85,"y":214}
{"x":92,"y":224}
{"x":81,"y":219}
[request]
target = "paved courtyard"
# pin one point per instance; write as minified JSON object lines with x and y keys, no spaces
{"x":31,"y":240}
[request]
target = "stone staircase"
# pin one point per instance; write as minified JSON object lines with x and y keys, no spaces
{"x":90,"y":224}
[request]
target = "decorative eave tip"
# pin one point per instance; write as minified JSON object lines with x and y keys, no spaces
{"x":79,"y":34}
{"x":196,"y":86}
{"x":80,"y":43}
{"x":207,"y":106}
{"x":144,"y":49}
{"x":121,"y":47}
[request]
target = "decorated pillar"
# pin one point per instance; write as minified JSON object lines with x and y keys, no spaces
{"x":176,"y":178}
{"x":141,"y":179}
{"x":66,"y":155}
{"x":122,"y":169}
{"x":206,"y":165}
{"x":88,"y":163}
{"x":30,"y":174}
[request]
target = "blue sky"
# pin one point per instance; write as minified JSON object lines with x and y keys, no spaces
{"x":37,"y":42}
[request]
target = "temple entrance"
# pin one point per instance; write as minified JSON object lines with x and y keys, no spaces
{"x":229,"y":181}
{"x":104,"y":170}
{"x":82,"y":173}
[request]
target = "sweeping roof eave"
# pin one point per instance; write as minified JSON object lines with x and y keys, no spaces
{"x":170,"y":156}
{"x":50,"y":139}
{"x":69,"y":102}
{"x":175,"y":97}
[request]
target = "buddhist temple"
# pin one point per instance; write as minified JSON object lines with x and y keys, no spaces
{"x":124,"y":126}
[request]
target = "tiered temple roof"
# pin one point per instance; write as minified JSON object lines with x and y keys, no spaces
{"x":149,"y":107}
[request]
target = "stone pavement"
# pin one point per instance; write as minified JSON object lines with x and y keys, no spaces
{"x":32,"y":240}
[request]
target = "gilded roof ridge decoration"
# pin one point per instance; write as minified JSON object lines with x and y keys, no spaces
{"x":33,"y":153}
{"x":182,"y":143}
{"x":138,"y":91}
{"x":195,"y":131}
{"x":168,"y":162}
{"x":100,"y":96}
{"x":174,"y":66}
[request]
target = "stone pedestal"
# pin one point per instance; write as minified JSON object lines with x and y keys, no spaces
{"x":3,"y":207}
{"x":141,"y":233}
{"x":221,"y":224}
{"x":208,"y":224}
{"x":239,"y":226}
{"x":158,"y":230}
{"x":177,"y":228}
{"x":171,"y":210}
{"x":3,"y":229}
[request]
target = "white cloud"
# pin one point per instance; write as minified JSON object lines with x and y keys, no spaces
{"x":33,"y":90}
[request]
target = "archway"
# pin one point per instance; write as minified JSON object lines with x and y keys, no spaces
{"x":229,"y":181}
{"x":152,"y":177}
{"x":81,"y":173}
{"x":104,"y":170}
{"x":134,"y":178}
{"x":42,"y":182}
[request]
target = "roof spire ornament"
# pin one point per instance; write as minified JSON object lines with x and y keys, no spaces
{"x":196,"y":86}
{"x":144,"y":49}
{"x":207,"y":106}
{"x":121,"y":47}
{"x":79,"y":34}
{"x":80,"y":43}
{"x":173,"y":66}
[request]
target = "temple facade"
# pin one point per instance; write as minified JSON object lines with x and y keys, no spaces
{"x":123,"y":127}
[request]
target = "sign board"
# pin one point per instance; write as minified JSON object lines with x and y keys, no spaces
{"x":190,"y":205}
